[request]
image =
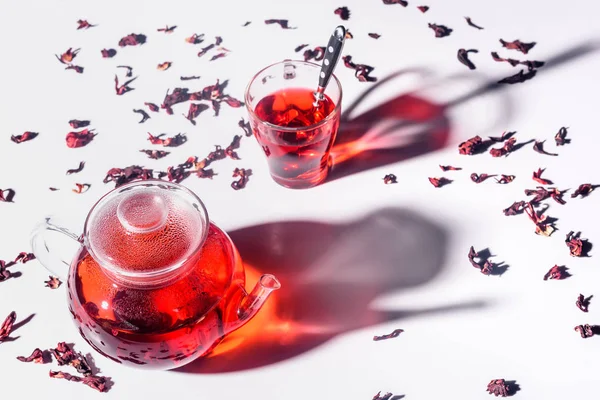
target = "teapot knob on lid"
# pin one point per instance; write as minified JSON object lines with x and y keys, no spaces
{"x":142,"y":212}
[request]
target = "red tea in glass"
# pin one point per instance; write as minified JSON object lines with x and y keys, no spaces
{"x":295,"y":135}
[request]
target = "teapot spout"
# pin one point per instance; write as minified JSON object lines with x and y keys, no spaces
{"x":252,"y":303}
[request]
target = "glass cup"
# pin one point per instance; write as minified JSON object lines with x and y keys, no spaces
{"x":297,"y":150}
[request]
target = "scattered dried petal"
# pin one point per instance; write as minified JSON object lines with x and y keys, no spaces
{"x":84,"y":24}
{"x":583,"y":303}
{"x":470,"y":146}
{"x":153,"y":107}
{"x":505,"y":135}
{"x":504,"y":179}
{"x":122,"y":176}
{"x":576,"y":245}
{"x":343,"y":12}
{"x":132,"y":39}
{"x":76,"y":124}
{"x":7,"y":195}
{"x":144,"y":115}
{"x":583,"y":190}
{"x":7,"y":326}
{"x":53,"y":282}
{"x":108,"y":53}
{"x":284,"y":23}
{"x":217,"y":56}
{"x":440,"y":30}
{"x":76,"y":170}
{"x":245,"y":126}
{"x":472,"y":24}
{"x":361,"y":71}
{"x":164,"y":66}
{"x":155,"y":154}
{"x":557,"y":273}
{"x":374,"y":35}
{"x":68,"y":56}
{"x":449,"y":168}
{"x":439,"y":182}
{"x":463,"y":57}
{"x":392,"y":335}
{"x":167,"y":29}
{"x":24,"y":257}
{"x":515,"y":209}
{"x":586,"y":330}
{"x":478,"y":178}
{"x":81,"y":188}
{"x":505,"y":149}
{"x":129,"y":72}
{"x":537,"y":176}
{"x":403,"y":3}
{"x":561,"y":137}
{"x":195,"y":38}
{"x":37,"y":356}
{"x":389,"y":179}
{"x":26,"y":136}
{"x":518,"y":45}
{"x":173,"y":141}
{"x":235,"y":144}
{"x":80,"y":139}
{"x":189,"y":78}
{"x":519,"y":77}
{"x":539,"y":147}
{"x":423,"y":9}
{"x":498,"y":387}
{"x":75,"y":68}
{"x":243,"y":175}
{"x":299,"y":48}
{"x":124,"y":88}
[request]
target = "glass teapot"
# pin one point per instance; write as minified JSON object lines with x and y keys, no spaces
{"x":154,"y":283}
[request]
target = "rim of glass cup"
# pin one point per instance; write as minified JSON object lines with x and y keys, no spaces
{"x":324,"y":121}
{"x":147,"y":182}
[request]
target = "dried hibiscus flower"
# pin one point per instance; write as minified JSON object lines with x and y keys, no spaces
{"x":561,"y":137}
{"x":84,"y":24}
{"x":230,"y":150}
{"x":132,"y":39}
{"x":520,"y":77}
{"x":204,"y":50}
{"x":577,"y":247}
{"x":108,"y":53}
{"x":194,"y":111}
{"x":122,"y":176}
{"x":95,"y":382}
{"x":76,"y":68}
{"x":423,"y":9}
{"x":392,"y":335}
{"x":557,"y":273}
{"x":217,"y":56}
{"x":299,"y":48}
{"x":243,"y":176}
{"x":439,"y":182}
{"x":389,"y":179}
{"x":173,"y":141}
{"x":129,"y":72}
{"x":498,"y":387}
{"x":583,"y":303}
{"x":539,"y":147}
{"x":155,"y":154}
{"x":343,"y":12}
{"x":518,"y":45}
{"x":317,"y":54}
{"x":189,"y":78}
{"x":76,"y":170}
{"x":76,"y":123}
{"x":195,"y":38}
{"x":505,"y":136}
{"x":81,"y":188}
{"x":440,"y":30}
{"x":153,"y":107}
{"x":53,"y":282}
{"x":478,"y":178}
{"x":449,"y":168}
{"x":68,"y":56}
{"x":537,"y":176}
{"x":284,"y":23}
{"x":80,"y":139}
{"x":374,"y":35}
{"x":470,"y":146}
{"x":24,"y":257}
{"x":586,"y":330}
{"x":463,"y":57}
{"x":7,"y":195}
{"x":24,"y":137}
{"x":505,"y":149}
{"x":505,"y":179}
{"x":472,"y":24}
{"x":7,"y":326}
{"x":361,"y":71}
{"x":164,"y":66}
{"x":143,"y":113}
{"x":245,"y":126}
{"x":515,"y":209}
{"x":37,"y":356}
{"x":403,"y":3}
{"x":124,"y":88}
{"x":541,"y":226}
{"x":583,"y":190}
{"x":511,"y":61}
{"x":4,"y":272}
{"x":167,"y":29}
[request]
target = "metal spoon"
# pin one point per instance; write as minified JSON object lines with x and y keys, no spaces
{"x":332,"y":56}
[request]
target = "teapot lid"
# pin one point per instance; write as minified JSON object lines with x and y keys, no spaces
{"x":143,"y":231}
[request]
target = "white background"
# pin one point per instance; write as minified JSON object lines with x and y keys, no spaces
{"x":516,"y":326}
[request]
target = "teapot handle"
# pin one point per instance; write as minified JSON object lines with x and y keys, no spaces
{"x":46,"y":255}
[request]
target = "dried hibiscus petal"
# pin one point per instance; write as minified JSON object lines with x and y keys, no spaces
{"x":537,"y":176}
{"x":132,"y":39}
{"x":470,"y":146}
{"x":7,"y":195}
{"x":80,"y":139}
{"x":243,"y":176}
{"x":75,"y":68}
{"x":122,"y":176}
{"x":361,"y":71}
{"x":299,"y":48}
{"x":511,"y":61}
{"x":478,"y":178}
{"x":230,"y":150}
{"x":143,"y":113}
{"x":392,"y":335}
{"x":153,"y":107}
{"x":374,"y":35}
{"x":539,"y":147}
{"x":129,"y":72}
{"x":439,"y":182}
{"x":423,"y":9}
{"x":505,"y":179}
{"x":505,"y":135}
{"x":449,"y":168}
{"x":389,"y":179}
{"x":24,"y":257}
{"x":541,"y":226}
{"x":245,"y":126}
{"x":586,"y":330}
{"x":37,"y":356}
{"x":440,"y":30}
{"x":205,"y":50}
{"x":179,"y":95}
{"x":317,"y":54}
{"x":247,"y":23}
{"x":84,"y":24}
{"x":343,"y":12}
{"x":108,"y":53}
{"x":189,"y":78}
{"x":155,"y":154}
{"x":24,"y":137}
{"x":557,"y":273}
{"x":561,"y":137}
{"x":164,"y":66}
{"x":498,"y":387}
{"x":195,"y":38}
{"x":124,"y":88}
{"x":53,"y":282}
{"x":520,"y":77}
{"x":515,"y":209}
{"x":217,"y":56}
{"x":68,"y":56}
{"x":167,"y":29}
{"x":583,"y":190}
{"x":284,"y":23}
{"x":577,"y":247}
{"x":4,"y":272}
{"x":472,"y":24}
{"x":173,"y":141}
{"x":505,"y":149}
{"x":583,"y":303}
{"x":76,"y":170}
{"x":540,"y":193}
{"x":7,"y":326}
{"x":403,"y":3}
{"x":81,"y":188}
{"x":76,"y":124}
{"x":194,"y":111}
{"x":463,"y":57}
{"x":518,"y":45}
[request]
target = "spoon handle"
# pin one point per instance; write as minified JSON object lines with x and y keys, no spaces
{"x":333,"y":51}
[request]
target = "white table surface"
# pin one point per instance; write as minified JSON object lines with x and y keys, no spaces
{"x":402,"y":265}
